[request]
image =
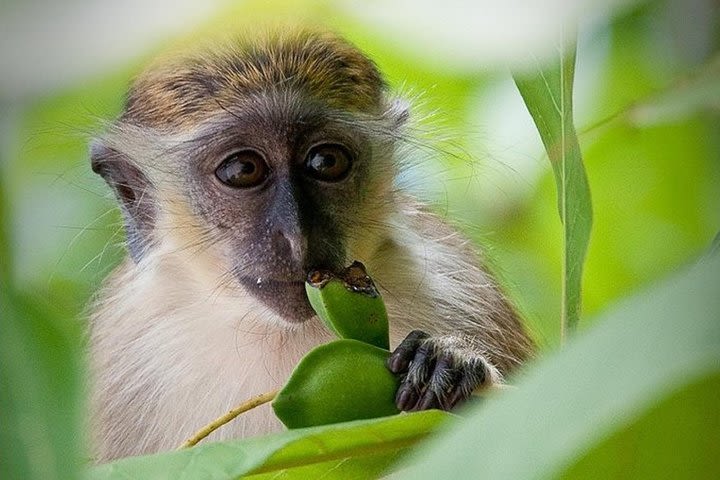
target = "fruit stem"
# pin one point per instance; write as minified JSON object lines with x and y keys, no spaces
{"x":219,"y":422}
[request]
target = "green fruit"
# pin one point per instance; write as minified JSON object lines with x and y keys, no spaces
{"x":349,"y":304}
{"x":346,"y":379}
{"x":337,"y":382}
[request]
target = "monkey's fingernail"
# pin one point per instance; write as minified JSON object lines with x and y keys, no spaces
{"x":455,"y":398}
{"x":427,"y":401}
{"x":405,"y":398}
{"x":397,"y":364}
{"x":399,"y":360}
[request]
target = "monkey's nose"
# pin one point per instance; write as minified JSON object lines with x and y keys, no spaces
{"x":289,"y":245}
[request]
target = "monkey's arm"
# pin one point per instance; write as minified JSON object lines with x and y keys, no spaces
{"x":463,"y":333}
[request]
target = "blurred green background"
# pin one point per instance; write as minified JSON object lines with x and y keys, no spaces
{"x":648,"y":111}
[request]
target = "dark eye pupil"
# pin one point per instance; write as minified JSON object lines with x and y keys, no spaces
{"x":242,"y":170}
{"x":329,"y":163}
{"x":321,"y":161}
{"x":245,"y":168}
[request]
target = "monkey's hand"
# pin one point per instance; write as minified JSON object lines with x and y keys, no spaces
{"x":439,"y":372}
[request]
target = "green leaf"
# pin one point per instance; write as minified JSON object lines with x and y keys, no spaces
{"x":548,"y":96}
{"x":635,"y":397}
{"x":692,"y":93}
{"x":41,"y":393}
{"x":715,"y":247}
{"x":40,"y":382}
{"x":695,"y":92}
{"x":678,"y":438}
{"x":359,"y":449}
{"x":5,"y":257}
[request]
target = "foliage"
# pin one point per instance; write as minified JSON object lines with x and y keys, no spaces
{"x":360,"y":449}
{"x":548,"y":94}
{"x":636,"y":397}
{"x":41,"y":398}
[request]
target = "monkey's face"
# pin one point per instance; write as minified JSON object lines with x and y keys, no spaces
{"x":278,"y":153}
{"x":282,"y":191}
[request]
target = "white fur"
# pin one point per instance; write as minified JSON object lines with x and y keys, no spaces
{"x":174,"y":347}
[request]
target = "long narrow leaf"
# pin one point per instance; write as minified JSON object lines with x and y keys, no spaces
{"x":364,"y":448}
{"x":635,"y":397}
{"x":548,"y":96}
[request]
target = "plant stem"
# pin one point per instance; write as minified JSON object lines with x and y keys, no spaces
{"x":219,"y":422}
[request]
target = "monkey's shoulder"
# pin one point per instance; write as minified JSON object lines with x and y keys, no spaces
{"x":430,"y":226}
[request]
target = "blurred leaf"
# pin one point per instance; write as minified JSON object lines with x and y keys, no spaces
{"x":696,"y":92}
{"x":715,"y":247}
{"x":41,"y":378}
{"x":648,"y":184}
{"x":548,"y":96}
{"x":676,"y":439}
{"x":40,"y":398}
{"x":65,"y":228}
{"x":5,"y":264}
{"x":358,"y":449}
{"x":636,"y":397}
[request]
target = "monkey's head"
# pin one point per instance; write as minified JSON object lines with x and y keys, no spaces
{"x":263,"y":159}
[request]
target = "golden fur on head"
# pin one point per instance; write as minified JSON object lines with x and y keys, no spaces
{"x":184,"y":91}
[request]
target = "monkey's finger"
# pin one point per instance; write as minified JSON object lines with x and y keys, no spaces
{"x":427,"y":401}
{"x":414,"y":381}
{"x":440,"y":383}
{"x":399,"y":360}
{"x":422,"y":363}
{"x":406,"y":397}
{"x":472,"y":375}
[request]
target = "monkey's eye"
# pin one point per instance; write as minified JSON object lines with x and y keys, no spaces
{"x":243,"y":169}
{"x":328,"y":162}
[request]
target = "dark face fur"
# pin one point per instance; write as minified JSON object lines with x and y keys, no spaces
{"x":281,"y":166}
{"x":281,"y":186}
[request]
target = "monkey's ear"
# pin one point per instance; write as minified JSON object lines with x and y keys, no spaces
{"x":133,"y":190}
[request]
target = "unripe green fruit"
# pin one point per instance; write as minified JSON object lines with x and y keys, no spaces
{"x":346,"y":379}
{"x":337,"y":382}
{"x":350,"y":305}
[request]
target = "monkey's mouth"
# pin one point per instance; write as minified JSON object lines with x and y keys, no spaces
{"x":287,"y":298}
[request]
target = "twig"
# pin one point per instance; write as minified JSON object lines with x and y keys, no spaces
{"x":219,"y":422}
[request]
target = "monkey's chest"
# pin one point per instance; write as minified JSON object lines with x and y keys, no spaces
{"x":188,"y":381}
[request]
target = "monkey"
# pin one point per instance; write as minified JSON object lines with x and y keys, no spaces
{"x":237,"y":169}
